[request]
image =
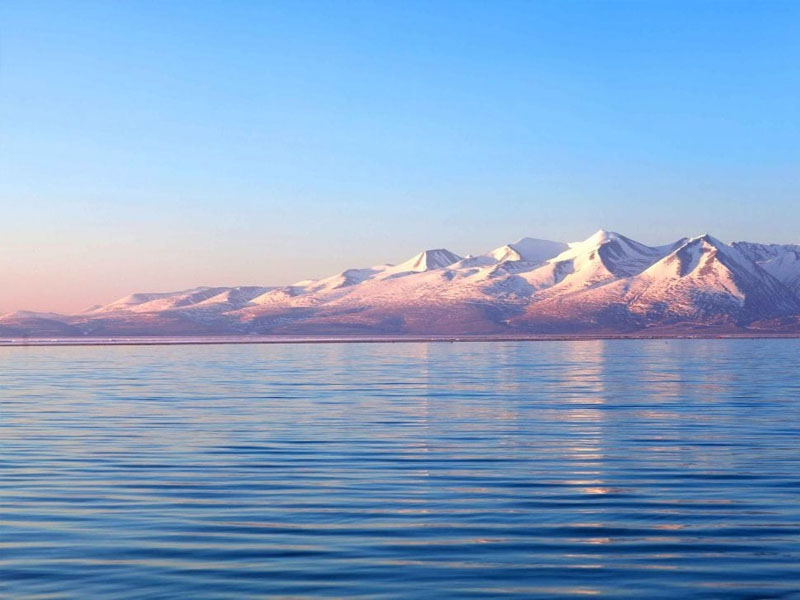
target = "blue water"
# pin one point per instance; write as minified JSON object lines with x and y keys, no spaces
{"x":656,"y":469}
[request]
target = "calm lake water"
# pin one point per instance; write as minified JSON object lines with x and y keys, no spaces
{"x":541,"y":469}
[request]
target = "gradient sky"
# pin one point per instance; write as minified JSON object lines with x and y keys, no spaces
{"x":159,"y":145}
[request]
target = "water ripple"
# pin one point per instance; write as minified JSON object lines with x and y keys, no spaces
{"x":645,"y":468}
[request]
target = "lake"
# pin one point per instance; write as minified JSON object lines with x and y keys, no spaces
{"x":616,"y":468}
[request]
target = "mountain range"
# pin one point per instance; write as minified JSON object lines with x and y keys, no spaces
{"x":607,"y":284}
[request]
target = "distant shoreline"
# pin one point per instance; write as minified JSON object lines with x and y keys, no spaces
{"x":249,"y":339}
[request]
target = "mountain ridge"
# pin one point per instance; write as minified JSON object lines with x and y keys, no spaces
{"x":607,"y":283}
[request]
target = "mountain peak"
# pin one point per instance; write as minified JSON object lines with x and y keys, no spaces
{"x":709,"y":242}
{"x":707,"y":238}
{"x":529,"y":250}
{"x":601,"y":236}
{"x":427,"y":260}
{"x":597,"y":239}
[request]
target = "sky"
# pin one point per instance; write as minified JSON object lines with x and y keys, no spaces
{"x":159,"y":145}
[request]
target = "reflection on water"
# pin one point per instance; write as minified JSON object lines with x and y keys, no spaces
{"x":615,"y":468}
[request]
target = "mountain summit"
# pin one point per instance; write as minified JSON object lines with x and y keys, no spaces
{"x":605,"y":284}
{"x":428,"y":260}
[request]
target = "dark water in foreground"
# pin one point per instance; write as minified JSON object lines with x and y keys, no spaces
{"x":556,"y":469}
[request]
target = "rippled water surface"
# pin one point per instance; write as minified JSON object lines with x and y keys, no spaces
{"x":550,"y":469}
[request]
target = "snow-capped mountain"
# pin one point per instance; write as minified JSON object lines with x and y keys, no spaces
{"x":606,"y":284}
{"x":528,"y":250}
{"x":780,"y":261}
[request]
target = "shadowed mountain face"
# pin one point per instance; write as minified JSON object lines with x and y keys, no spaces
{"x":606,"y":284}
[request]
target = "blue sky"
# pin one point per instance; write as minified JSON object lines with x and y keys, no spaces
{"x":155,"y":145}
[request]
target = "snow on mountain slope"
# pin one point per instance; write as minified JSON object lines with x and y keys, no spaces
{"x":497,"y":289}
{"x":702,"y":281}
{"x":131,"y":301}
{"x":705,"y":278}
{"x":529,"y":250}
{"x":153,"y":302}
{"x":230,"y":298}
{"x":782,"y":261}
{"x":428,"y":260}
{"x":603,"y":257}
{"x":607,"y":283}
{"x":341,"y":280}
{"x":616,"y":254}
{"x":334,"y":286}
